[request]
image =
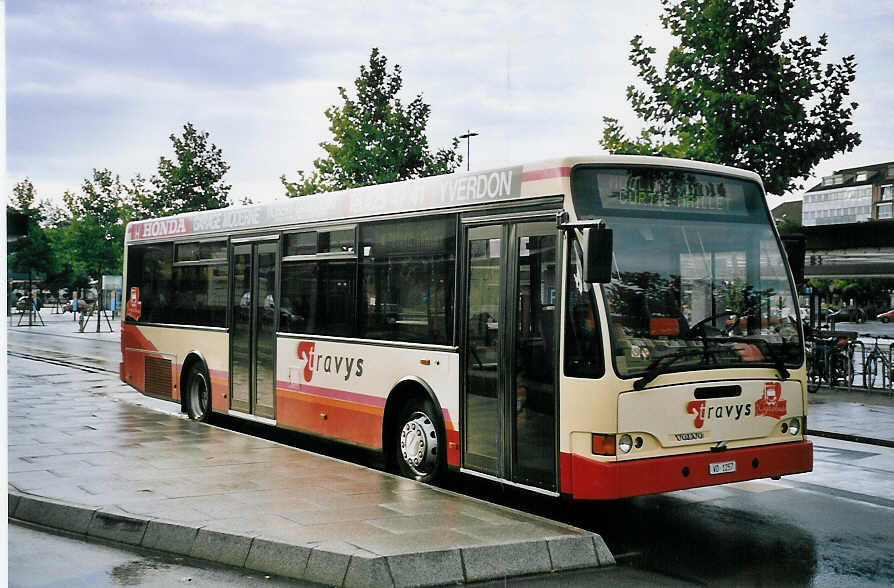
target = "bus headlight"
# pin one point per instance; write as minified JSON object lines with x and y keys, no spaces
{"x":794,"y":427}
{"x":625,"y":443}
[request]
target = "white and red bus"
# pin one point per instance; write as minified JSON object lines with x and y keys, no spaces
{"x":595,"y":327}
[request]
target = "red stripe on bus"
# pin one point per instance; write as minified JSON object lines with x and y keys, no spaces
{"x":350,"y":422}
{"x":333,"y":393}
{"x":351,"y":397}
{"x":588,"y":479}
{"x":345,"y":421}
{"x":545,"y":174}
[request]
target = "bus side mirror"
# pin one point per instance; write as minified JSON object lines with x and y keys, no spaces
{"x":597,"y":249}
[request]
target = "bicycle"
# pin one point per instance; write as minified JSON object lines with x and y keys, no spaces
{"x":829,"y":360}
{"x":877,"y":362}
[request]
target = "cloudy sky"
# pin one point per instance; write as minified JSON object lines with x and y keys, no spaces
{"x":103,"y":83}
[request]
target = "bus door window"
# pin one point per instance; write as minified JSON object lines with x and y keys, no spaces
{"x":535,"y":350}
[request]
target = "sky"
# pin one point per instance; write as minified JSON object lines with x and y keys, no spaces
{"x":104,"y":83}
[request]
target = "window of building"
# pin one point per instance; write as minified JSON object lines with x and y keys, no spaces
{"x":885,"y":210}
{"x":886,"y":192}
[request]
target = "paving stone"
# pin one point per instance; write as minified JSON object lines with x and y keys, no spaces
{"x":429,"y":568}
{"x":328,"y":562}
{"x":510,"y":559}
{"x":169,"y":536}
{"x":225,"y":548}
{"x":603,"y":552}
{"x":568,"y":553}
{"x":56,"y":515}
{"x":13,"y":503}
{"x":278,"y":558}
{"x":117,"y":527}
{"x":367,"y":570}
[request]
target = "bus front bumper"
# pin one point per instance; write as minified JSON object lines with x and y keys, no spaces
{"x":588,"y":479}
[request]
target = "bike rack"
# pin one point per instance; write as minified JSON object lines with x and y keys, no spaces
{"x":887,"y":380}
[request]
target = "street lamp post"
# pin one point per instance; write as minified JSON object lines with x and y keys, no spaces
{"x":468,"y":137}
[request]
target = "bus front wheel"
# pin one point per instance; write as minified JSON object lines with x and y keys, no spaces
{"x":198,"y":390}
{"x":418,"y":442}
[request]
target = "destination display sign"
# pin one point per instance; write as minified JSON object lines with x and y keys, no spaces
{"x":445,"y":191}
{"x":661,"y":190}
{"x":670,"y":191}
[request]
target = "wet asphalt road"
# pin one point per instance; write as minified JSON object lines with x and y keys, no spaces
{"x":831,"y":527}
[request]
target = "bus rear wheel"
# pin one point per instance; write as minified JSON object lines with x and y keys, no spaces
{"x":418,"y":442}
{"x":198,"y":394}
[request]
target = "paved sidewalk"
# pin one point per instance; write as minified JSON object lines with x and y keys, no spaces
{"x":856,"y":415}
{"x":83,"y":461}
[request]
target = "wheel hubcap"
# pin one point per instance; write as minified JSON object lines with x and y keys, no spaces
{"x":419,"y":444}
{"x":199,"y":396}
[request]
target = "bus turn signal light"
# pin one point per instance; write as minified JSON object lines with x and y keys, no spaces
{"x":603,"y":444}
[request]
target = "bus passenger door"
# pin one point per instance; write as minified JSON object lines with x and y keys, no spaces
{"x":510,"y":352}
{"x":253,"y":328}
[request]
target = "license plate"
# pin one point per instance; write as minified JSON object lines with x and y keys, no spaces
{"x":722,"y":467}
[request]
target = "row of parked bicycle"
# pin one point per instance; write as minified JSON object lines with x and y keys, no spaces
{"x":840,"y":359}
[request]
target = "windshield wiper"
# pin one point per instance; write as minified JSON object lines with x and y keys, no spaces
{"x":655,"y":368}
{"x":767,"y":349}
{"x":701,"y":324}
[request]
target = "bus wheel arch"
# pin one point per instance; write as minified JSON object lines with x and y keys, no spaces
{"x":413,"y":434}
{"x":195,"y":387}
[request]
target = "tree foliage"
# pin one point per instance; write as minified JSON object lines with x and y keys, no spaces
{"x":735,"y":92}
{"x":376,"y":138}
{"x":192,"y":181}
{"x":95,"y":235}
{"x":31,"y":251}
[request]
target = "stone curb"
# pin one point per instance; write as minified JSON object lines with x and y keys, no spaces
{"x":332,"y":563}
{"x":851,"y":437}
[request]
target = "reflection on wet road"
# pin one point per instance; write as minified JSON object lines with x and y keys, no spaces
{"x":833,"y":526}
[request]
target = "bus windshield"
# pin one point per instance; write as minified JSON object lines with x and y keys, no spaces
{"x":698,"y":278}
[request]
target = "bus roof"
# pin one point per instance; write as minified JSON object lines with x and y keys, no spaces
{"x":444,"y":192}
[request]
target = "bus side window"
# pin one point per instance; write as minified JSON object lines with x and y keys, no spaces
{"x":583,"y":343}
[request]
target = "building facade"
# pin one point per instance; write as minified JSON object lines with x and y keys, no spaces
{"x":851,"y":196}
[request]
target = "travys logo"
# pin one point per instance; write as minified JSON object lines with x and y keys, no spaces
{"x":771,"y":403}
{"x":320,"y":361}
{"x":703,"y":412}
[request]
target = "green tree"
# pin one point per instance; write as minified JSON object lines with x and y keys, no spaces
{"x":375,"y":137}
{"x":30,"y":252}
{"x":95,"y":234}
{"x":735,"y":92}
{"x":192,"y":181}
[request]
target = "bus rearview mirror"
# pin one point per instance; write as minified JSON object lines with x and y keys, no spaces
{"x":597,"y":249}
